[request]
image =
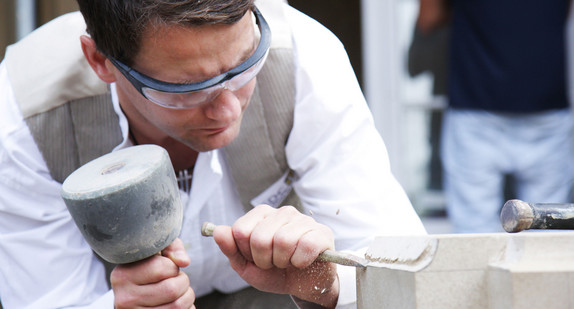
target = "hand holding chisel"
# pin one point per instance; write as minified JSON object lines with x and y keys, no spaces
{"x":327,"y":255}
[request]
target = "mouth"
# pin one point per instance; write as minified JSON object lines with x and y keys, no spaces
{"x":211,"y":131}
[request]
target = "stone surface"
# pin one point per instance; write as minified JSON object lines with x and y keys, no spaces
{"x":494,"y":271}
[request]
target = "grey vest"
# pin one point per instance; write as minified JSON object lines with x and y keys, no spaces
{"x":71,"y":117}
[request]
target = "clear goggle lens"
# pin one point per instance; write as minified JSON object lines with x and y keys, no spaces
{"x":181,"y":100}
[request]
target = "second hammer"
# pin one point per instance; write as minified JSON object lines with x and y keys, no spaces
{"x":517,"y":216}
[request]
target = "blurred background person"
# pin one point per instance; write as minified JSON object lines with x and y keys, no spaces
{"x":508,"y":111}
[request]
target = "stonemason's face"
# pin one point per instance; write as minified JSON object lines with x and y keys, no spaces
{"x":186,"y":55}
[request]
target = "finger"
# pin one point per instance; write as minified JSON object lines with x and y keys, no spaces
{"x":285,"y":243}
{"x":262,"y":241}
{"x":177,"y":253}
{"x":243,"y":227}
{"x":223,"y":236}
{"x":187,"y":300}
{"x":311,"y":244}
{"x":301,"y":235}
{"x":151,"y":270}
{"x":169,"y":291}
{"x":166,"y":291}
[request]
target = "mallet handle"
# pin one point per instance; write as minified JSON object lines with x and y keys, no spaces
{"x":517,"y":216}
{"x":326,"y":256}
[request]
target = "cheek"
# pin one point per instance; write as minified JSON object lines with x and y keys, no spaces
{"x":245,"y":93}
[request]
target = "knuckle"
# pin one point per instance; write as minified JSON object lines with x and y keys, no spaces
{"x":327,"y":231}
{"x":306,"y":244}
{"x":173,"y":288}
{"x":118,"y":276}
{"x":283,"y":239}
{"x":124,"y":300}
{"x":288,"y":210}
{"x":240,"y":233}
{"x":259,"y":243}
{"x":263,"y":207}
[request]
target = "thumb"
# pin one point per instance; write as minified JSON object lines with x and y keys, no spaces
{"x":176,"y":252}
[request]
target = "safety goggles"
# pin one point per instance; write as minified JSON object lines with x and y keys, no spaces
{"x":179,"y":96}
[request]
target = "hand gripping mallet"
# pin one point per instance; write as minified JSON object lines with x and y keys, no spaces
{"x":517,"y":216}
{"x":126,"y":203}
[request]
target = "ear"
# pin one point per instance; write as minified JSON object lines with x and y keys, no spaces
{"x":97,"y":60}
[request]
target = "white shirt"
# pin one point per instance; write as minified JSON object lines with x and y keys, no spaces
{"x":344,"y":181}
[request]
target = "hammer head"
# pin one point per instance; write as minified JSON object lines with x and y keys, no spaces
{"x":126,"y":203}
{"x":516,"y":216}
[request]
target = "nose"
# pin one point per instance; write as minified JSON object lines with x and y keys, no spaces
{"x":225,"y":108}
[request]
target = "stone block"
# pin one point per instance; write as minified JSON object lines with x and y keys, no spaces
{"x":491,"y":271}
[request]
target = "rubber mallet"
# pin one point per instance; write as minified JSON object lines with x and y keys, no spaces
{"x":126,"y":203}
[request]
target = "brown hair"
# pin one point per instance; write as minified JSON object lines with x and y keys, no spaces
{"x":117,"y":26}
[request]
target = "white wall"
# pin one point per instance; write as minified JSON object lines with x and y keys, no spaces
{"x":400,"y":104}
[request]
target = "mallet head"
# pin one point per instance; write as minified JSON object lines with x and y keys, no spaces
{"x":126,"y":203}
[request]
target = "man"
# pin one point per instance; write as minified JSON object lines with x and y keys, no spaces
{"x":509,"y":113}
{"x":182,"y":76}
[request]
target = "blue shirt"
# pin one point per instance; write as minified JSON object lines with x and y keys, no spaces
{"x":508,"y":55}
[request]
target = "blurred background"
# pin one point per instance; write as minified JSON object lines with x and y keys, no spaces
{"x":406,"y":97}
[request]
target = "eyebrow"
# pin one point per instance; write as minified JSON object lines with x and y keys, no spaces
{"x":246,"y":55}
{"x":244,"y":58}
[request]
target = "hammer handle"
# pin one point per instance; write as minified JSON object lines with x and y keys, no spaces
{"x":517,"y":216}
{"x":332,"y":256}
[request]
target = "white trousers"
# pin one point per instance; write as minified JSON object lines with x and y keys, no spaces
{"x":479,"y":148}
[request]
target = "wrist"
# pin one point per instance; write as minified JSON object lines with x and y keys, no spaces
{"x":319,"y":297}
